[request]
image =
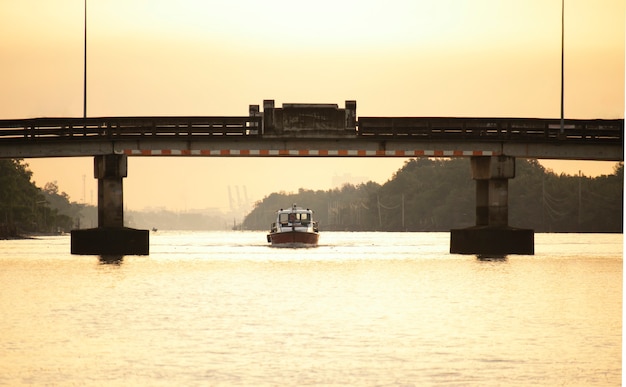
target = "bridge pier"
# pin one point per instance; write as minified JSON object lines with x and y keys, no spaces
{"x":110,"y":237}
{"x":492,"y":236}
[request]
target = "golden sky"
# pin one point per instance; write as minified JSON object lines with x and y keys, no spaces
{"x":204,"y":57}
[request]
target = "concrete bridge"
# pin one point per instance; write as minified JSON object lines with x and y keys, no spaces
{"x":314,"y":130}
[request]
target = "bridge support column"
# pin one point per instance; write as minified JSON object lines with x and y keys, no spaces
{"x":492,"y":235}
{"x":111,"y":237}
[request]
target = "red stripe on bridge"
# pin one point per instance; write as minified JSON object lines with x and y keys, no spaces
{"x":309,"y":152}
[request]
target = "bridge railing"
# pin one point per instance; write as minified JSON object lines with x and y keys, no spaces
{"x":417,"y":128}
{"x":492,"y":129}
{"x":112,"y":127}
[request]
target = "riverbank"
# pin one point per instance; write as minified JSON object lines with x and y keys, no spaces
{"x":8,"y":232}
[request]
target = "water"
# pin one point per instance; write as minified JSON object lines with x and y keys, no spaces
{"x":363,"y":309}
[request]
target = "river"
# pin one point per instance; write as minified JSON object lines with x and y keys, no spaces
{"x":361,"y":309}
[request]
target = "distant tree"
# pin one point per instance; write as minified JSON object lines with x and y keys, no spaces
{"x":439,"y":195}
{"x":547,"y":202}
{"x":63,"y":212}
{"x":26,"y":208}
{"x":427,"y":195}
{"x":18,"y":198}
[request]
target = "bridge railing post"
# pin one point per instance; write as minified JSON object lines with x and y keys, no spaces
{"x":268,"y":115}
{"x":350,"y":115}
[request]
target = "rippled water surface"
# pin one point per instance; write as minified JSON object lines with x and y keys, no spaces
{"x":385,"y":309}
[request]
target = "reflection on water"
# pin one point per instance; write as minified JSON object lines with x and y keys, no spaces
{"x":360,"y":309}
{"x":496,"y":258}
{"x":111,"y":259}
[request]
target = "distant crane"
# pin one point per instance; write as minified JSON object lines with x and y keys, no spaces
{"x":245,"y":198}
{"x":230,"y":200}
{"x":240,"y":208}
{"x":241,"y":204}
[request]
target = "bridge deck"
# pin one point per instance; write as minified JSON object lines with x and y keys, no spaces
{"x":243,"y":135}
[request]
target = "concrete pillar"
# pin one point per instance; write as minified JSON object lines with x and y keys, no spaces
{"x":110,"y":238}
{"x":492,"y":235}
{"x":110,"y":170}
{"x":482,"y":202}
{"x":498,"y":202}
{"x":492,"y":176}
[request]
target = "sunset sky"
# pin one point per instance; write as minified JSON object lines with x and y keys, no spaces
{"x":489,"y":58}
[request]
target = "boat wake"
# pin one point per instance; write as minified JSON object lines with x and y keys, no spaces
{"x":293,"y":245}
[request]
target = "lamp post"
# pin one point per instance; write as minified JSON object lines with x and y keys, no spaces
{"x":562,"y":63}
{"x":85,"y":67}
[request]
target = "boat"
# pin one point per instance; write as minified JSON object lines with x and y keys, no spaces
{"x":294,"y":227}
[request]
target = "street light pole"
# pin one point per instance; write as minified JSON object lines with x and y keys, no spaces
{"x":562,"y":62}
{"x":85,"y":67}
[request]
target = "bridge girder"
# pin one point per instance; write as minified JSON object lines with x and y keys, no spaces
{"x":311,"y":147}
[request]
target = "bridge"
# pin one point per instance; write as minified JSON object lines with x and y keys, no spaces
{"x":314,"y":130}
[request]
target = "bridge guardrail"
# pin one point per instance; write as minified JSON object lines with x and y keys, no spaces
{"x":417,"y":128}
{"x":113,"y":127}
{"x":492,"y":129}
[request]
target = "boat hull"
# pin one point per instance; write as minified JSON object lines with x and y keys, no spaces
{"x":293,"y":238}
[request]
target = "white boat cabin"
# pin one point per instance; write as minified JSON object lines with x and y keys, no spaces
{"x":294,"y":219}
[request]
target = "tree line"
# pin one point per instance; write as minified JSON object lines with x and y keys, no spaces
{"x":424,"y":195}
{"x":28,"y":209}
{"x":439,"y":195}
